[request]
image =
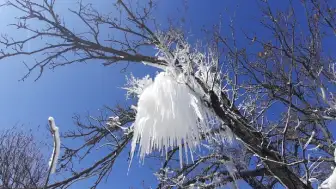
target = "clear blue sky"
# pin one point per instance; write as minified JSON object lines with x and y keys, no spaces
{"x":82,"y":88}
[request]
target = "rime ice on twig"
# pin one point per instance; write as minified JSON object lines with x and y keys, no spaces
{"x":57,"y":145}
{"x":136,"y":86}
{"x":309,"y":140}
{"x":113,"y":122}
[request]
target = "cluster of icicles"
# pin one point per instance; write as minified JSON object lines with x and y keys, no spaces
{"x":169,"y":114}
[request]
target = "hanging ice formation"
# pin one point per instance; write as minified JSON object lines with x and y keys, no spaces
{"x":169,"y":114}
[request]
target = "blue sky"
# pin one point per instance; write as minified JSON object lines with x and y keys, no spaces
{"x":82,"y":88}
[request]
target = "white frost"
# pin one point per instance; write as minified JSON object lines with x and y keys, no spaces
{"x":169,"y":115}
{"x":309,"y":140}
{"x":136,"y":86}
{"x":113,"y":122}
{"x":57,"y":145}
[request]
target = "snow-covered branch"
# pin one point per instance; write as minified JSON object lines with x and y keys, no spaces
{"x":57,"y":145}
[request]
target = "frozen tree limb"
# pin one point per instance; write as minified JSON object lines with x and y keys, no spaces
{"x":57,"y":145}
{"x":56,"y":148}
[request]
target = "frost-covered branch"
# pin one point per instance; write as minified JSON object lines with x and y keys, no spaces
{"x":103,"y":133}
{"x":56,"y":148}
{"x":57,"y":145}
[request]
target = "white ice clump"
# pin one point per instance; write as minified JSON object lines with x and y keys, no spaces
{"x":57,"y":145}
{"x":330,"y":183}
{"x":171,"y":110}
{"x":113,"y":122}
{"x":169,"y":114}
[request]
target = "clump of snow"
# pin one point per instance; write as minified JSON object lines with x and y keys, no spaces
{"x":57,"y":145}
{"x":113,"y":122}
{"x":330,"y":183}
{"x":169,"y":114}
